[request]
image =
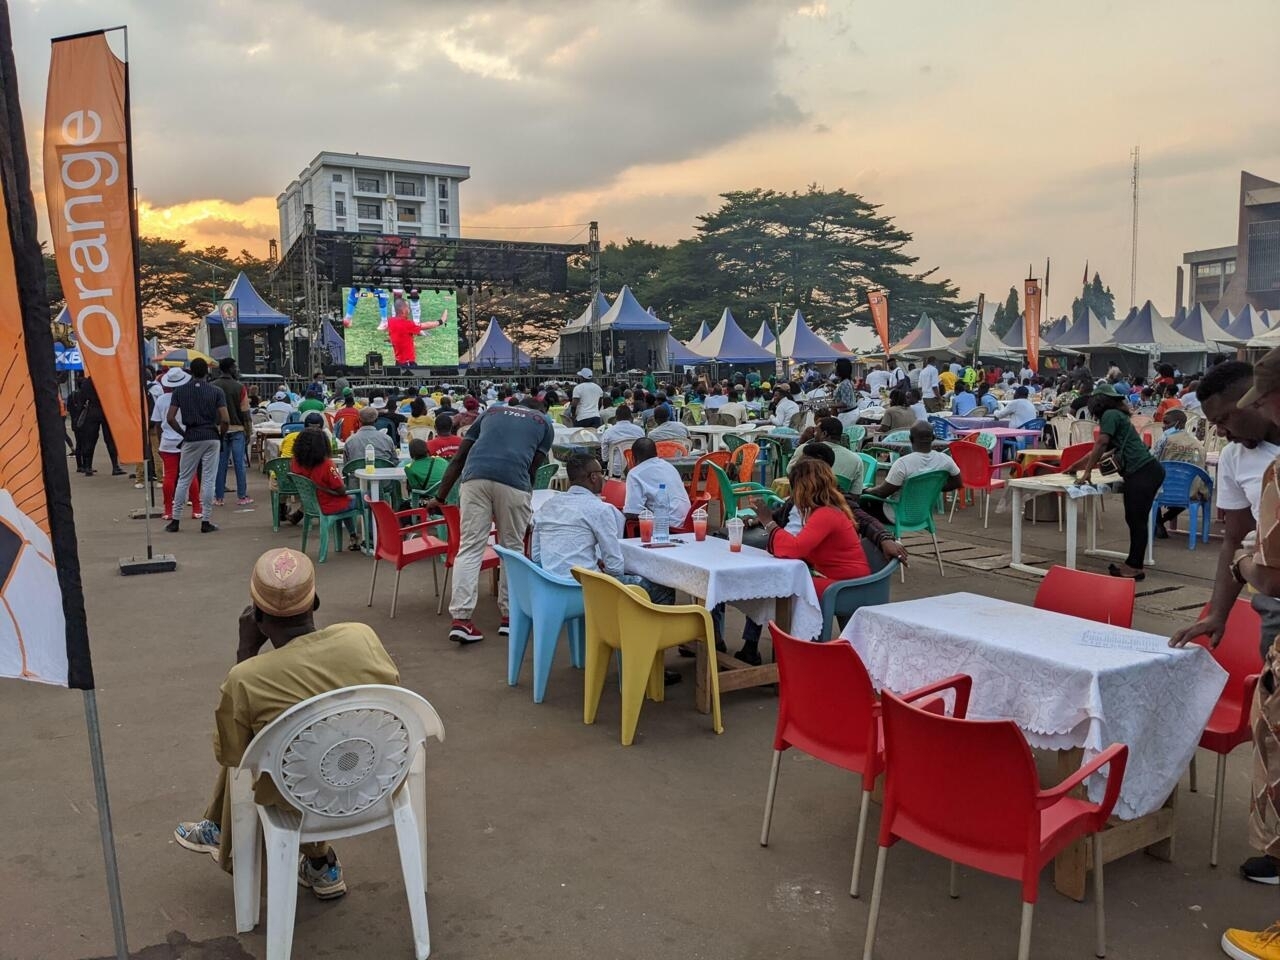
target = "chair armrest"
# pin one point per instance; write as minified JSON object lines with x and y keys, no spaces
{"x":961,"y":683}
{"x":872,"y":496}
{"x":1115,"y":756}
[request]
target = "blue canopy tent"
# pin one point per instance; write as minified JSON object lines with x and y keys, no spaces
{"x":728,"y":344}
{"x":764,"y":336}
{"x":260,"y":329}
{"x":1199,"y":325}
{"x":678,"y":355}
{"x":1247,"y":325}
{"x":494,"y":351}
{"x":801,"y":345}
{"x":703,"y":332}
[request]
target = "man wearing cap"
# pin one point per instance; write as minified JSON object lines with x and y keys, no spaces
{"x":496,"y":466}
{"x":306,"y":661}
{"x":280,"y":409}
{"x":170,"y":444}
{"x":204,"y":421}
{"x":383,"y":447}
{"x":584,"y":408}
{"x":312,"y":421}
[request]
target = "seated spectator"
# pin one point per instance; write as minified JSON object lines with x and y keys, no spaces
{"x":446,"y":441}
{"x":312,"y":421}
{"x":314,"y":399}
{"x":468,"y":416}
{"x":1169,"y":402}
{"x":664,"y":428}
{"x":1179,"y":445}
{"x":1018,"y":411}
{"x":898,"y":415}
{"x":845,"y":463}
{"x":623,"y":428}
{"x":419,"y":465}
{"x":347,"y":420}
{"x":306,"y":661}
{"x":311,"y":460}
{"x":280,"y":409}
{"x":921,"y":459}
{"x":964,"y":401}
{"x":644,"y":479}
{"x":419,"y":416}
{"x":383,"y":447}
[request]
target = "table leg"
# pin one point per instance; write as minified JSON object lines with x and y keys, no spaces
{"x":1072,"y":514}
{"x":1017,"y":525}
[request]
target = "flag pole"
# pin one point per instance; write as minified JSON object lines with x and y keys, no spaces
{"x":93,"y":729}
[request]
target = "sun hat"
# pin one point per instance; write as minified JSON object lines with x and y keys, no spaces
{"x":585,"y":373}
{"x":378,"y":403}
{"x":175,"y":377}
{"x":283,"y":583}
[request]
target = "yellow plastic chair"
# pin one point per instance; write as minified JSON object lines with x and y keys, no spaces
{"x":622,"y":618}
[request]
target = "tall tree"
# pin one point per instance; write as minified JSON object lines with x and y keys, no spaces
{"x":1097,"y":298}
{"x":1007,"y":313}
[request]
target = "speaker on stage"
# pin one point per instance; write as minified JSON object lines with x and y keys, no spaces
{"x":373,"y":364}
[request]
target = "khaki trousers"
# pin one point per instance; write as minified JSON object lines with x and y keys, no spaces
{"x":219,"y":811}
{"x":484,"y":503}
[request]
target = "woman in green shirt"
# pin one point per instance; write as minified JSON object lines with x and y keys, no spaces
{"x":1141,"y":471}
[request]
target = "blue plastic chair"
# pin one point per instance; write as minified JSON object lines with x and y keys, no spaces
{"x":843,"y":598}
{"x":293,"y":426}
{"x":540,"y":604}
{"x":1176,"y":492}
{"x":942,"y":429}
{"x":1009,"y":448}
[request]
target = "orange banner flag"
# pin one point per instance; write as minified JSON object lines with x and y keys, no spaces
{"x":86,"y":184}
{"x":878,"y":300}
{"x":1031,"y":316}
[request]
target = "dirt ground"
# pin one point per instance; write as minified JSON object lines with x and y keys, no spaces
{"x":548,"y":839}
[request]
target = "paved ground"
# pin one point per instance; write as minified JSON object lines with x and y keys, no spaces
{"x":549,"y":840}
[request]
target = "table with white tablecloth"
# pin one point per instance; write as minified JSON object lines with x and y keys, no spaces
{"x":760,"y":585}
{"x":1036,"y":668}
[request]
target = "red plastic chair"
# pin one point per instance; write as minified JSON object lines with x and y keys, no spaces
{"x":687,"y":525}
{"x":1090,"y":596}
{"x":614,"y":493}
{"x":1071,"y":456}
{"x":403,"y":545}
{"x":968,"y":790}
{"x":828,"y":709}
{"x":977,"y":472}
{"x":669,"y":449}
{"x":700,"y":480}
{"x":1228,"y":727}
{"x":453,"y":536}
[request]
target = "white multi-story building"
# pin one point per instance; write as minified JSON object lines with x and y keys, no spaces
{"x":358,"y":194}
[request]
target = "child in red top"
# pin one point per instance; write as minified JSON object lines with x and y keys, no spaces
{"x":1170,"y":402}
{"x":828,"y":542}
{"x":311,"y":460}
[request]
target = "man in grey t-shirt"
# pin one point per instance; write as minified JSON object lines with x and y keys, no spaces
{"x":496,"y":465}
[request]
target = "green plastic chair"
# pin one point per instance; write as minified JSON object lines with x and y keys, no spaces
{"x":870,"y":466}
{"x":893,"y":436}
{"x":731,"y":494}
{"x":306,"y":491}
{"x":778,"y":453}
{"x":913,"y":507}
{"x":732,"y":441}
{"x":279,"y":468}
{"x":844,"y":483}
{"x":546,"y":473}
{"x":389,"y":490}
{"x":854,"y":435}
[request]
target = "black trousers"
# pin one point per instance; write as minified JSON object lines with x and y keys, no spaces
{"x":87,"y":443}
{"x":1139,"y":494}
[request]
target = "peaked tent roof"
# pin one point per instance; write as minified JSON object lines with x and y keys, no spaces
{"x":839,"y":347}
{"x":253,"y":310}
{"x":703,"y":332}
{"x":1247,"y":325}
{"x":627,"y":314}
{"x":1056,"y":329}
{"x":990,"y":345}
{"x":764,"y":336}
{"x":1200,"y":325}
{"x":1086,"y":331}
{"x":494,"y":349}
{"x":584,"y":319}
{"x":923,"y":338}
{"x":1144,"y":329}
{"x":728,"y":344}
{"x":677,"y":352}
{"x":802,"y":345}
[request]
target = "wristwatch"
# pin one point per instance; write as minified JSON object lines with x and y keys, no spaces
{"x":1236,"y":575}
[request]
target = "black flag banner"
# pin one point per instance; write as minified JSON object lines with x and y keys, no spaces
{"x":43,"y":635}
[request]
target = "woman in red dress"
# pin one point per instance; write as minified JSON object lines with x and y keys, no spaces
{"x":311,"y":460}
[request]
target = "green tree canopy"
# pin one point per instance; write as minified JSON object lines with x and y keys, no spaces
{"x":1097,"y":298}
{"x":1007,"y":313}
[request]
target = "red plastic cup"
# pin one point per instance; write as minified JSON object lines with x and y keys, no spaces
{"x":646,"y":530}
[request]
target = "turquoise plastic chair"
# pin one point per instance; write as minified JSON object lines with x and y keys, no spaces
{"x":843,"y":598}
{"x":306,"y":491}
{"x":546,"y":473}
{"x":871,"y":465}
{"x":540,"y":604}
{"x":732,"y":441}
{"x":279,"y":468}
{"x":854,"y":435}
{"x":893,"y":436}
{"x":913,"y":507}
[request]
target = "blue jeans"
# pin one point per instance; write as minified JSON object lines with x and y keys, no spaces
{"x":233,"y":449}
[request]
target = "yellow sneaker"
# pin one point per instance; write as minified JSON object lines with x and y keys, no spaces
{"x":1247,"y":945}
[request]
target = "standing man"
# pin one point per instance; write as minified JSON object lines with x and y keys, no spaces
{"x":929,"y":386}
{"x":585,"y":405}
{"x":203,"y":424}
{"x":235,"y":442}
{"x":496,"y":465}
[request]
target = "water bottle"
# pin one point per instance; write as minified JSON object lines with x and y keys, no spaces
{"x":369,"y":457}
{"x":662,"y":516}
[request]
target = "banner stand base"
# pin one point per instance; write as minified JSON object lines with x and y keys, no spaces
{"x":160,"y":563}
{"x":145,"y":513}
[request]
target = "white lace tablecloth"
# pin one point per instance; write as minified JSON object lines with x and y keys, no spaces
{"x":752,"y":580}
{"x":1028,"y":666}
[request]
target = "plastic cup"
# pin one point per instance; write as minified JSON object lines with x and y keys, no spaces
{"x":735,"y":535}
{"x":699,"y":528}
{"x":646,"y":529}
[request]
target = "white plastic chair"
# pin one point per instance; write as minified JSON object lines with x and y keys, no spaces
{"x":277,"y":416}
{"x":349,"y":761}
{"x":421,"y":433}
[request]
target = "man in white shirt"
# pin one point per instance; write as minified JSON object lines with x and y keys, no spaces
{"x":715,"y":400}
{"x":1025,"y":374}
{"x":786,"y":407}
{"x":734,"y":407}
{"x":877,"y":380}
{"x":585,"y":405}
{"x":929,"y":384}
{"x":623,"y":428}
{"x":664,"y":428}
{"x":1018,"y":411}
{"x":280,"y":409}
{"x":644,"y":479}
{"x":921,"y":459}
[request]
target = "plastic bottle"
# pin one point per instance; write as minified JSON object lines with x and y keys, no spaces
{"x":369,"y":457}
{"x":662,"y":515}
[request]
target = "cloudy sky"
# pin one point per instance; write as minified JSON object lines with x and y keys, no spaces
{"x":997,"y":132}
